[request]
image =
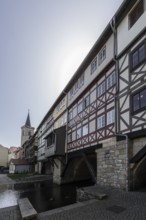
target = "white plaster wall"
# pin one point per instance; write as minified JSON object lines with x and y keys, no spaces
{"x":126,"y":35}
{"x":11,"y":168}
{"x":88,"y":77}
{"x":3,"y":156}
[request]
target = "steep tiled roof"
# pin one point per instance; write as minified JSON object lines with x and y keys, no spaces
{"x":12,"y":149}
{"x":27,"y":123}
{"x":19,"y":162}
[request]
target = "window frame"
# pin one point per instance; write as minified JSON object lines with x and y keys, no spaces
{"x":102,"y":55}
{"x":111,"y":80}
{"x":70,"y":115}
{"x":80,"y":107}
{"x":83,"y":130}
{"x":79,"y":135}
{"x":71,"y":93}
{"x":93,"y":65}
{"x":69,"y":138}
{"x":74,"y":112}
{"x":100,"y":124}
{"x":86,"y":102}
{"x":139,"y":109}
{"x":136,"y":13}
{"x":81,"y":81}
{"x":100,"y":87}
{"x":110,"y":117}
{"x":137,"y":49}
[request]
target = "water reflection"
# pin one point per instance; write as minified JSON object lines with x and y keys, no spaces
{"x":43,"y":196}
{"x":8,"y":198}
{"x":46,"y":197}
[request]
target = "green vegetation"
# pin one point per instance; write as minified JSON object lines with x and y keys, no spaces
{"x":17,"y":176}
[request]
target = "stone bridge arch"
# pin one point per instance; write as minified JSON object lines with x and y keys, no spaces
{"x":78,"y":170}
{"x":139,"y":174}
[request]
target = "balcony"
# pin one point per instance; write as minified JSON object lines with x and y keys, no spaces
{"x":55,"y":142}
{"x":50,"y":150}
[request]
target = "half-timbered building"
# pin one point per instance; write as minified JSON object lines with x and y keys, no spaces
{"x":96,"y":129}
{"x":91,"y":108}
{"x":52,"y":139}
{"x":131,"y":99}
{"x":106,"y":103}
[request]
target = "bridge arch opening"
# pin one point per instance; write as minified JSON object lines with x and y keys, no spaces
{"x":139,"y":175}
{"x":78,"y":169}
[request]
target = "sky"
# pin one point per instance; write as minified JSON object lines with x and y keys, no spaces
{"x":42,"y":44}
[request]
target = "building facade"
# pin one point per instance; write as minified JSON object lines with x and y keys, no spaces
{"x":131,"y":99}
{"x":96,"y":129}
{"x":52,"y":139}
{"x":30,"y":148}
{"x":12,"y":153}
{"x":107,"y":104}
{"x":3,"y":156}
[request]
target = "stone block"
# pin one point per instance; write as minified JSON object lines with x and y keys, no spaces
{"x":26,"y":209}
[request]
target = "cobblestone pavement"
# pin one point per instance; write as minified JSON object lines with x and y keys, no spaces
{"x":10,"y":213}
{"x":118,"y":206}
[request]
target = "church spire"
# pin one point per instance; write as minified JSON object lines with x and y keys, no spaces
{"x":27,"y":123}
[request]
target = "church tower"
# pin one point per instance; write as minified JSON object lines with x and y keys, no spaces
{"x":26,"y":130}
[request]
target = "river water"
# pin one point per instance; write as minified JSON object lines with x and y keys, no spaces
{"x":43,"y":196}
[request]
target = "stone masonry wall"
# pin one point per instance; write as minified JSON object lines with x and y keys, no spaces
{"x":111,"y":164}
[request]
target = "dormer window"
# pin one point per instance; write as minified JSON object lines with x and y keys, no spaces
{"x":136,"y":13}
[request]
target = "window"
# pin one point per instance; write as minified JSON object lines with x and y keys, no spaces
{"x":76,"y":87}
{"x":138,"y":55}
{"x":86,"y":102}
{"x":73,"y":135}
{"x":74,"y":112}
{"x":139,"y":100}
{"x":111,"y":117}
{"x":85,"y":130}
{"x":110,"y":80}
{"x":81,"y":80}
{"x":65,"y":118}
{"x":80,"y":107}
{"x":70,"y":116}
{"x":101,"y":89}
{"x":69,"y":138}
{"x":62,"y":120}
{"x":50,"y":139}
{"x":101,"y":122}
{"x":93,"y":96}
{"x":60,"y":105}
{"x":94,"y":65}
{"x":71,"y":93}
{"x":136,"y":13}
{"x":102,"y":55}
{"x":79,"y":83}
{"x":79,"y":133}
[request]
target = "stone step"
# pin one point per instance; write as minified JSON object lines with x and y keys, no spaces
{"x":26,"y":209}
{"x":88,"y":193}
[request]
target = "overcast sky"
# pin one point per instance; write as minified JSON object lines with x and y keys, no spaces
{"x":42,"y":43}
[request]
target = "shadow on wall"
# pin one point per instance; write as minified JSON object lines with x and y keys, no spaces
{"x":139,"y":175}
